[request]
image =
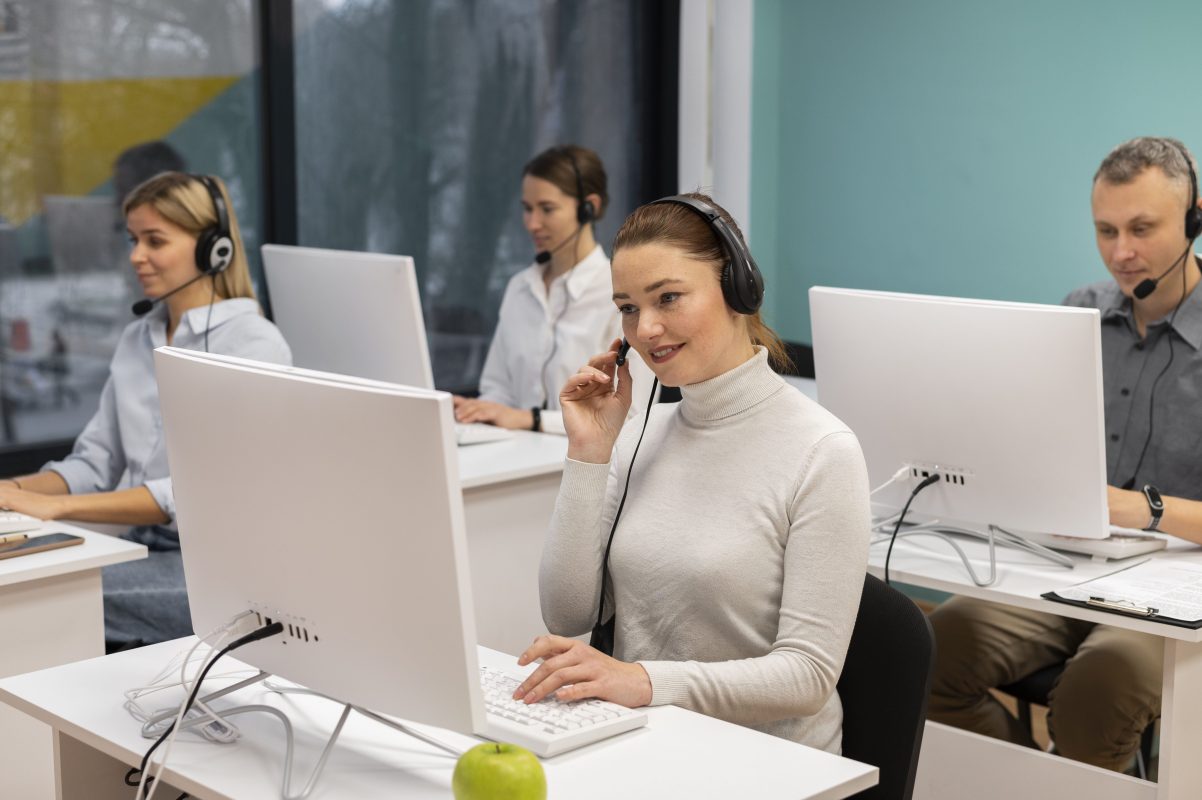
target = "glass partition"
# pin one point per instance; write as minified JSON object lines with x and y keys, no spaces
{"x":95,"y":96}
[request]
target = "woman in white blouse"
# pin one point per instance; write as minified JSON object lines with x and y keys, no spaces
{"x":558,"y":311}
{"x":188,"y":257}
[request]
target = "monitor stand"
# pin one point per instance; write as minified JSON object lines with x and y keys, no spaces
{"x":1121,"y":543}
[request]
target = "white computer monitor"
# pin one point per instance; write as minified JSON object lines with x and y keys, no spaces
{"x":1004,"y":400}
{"x":351,"y":313}
{"x":333,"y":505}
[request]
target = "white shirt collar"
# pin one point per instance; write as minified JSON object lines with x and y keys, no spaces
{"x":195,"y":320}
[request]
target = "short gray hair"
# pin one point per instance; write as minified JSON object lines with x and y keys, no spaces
{"x":1128,"y":161}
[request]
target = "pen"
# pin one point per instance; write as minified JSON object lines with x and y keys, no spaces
{"x":1124,"y":606}
{"x":12,"y":538}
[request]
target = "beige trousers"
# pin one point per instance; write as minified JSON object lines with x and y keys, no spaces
{"x":1109,"y":691}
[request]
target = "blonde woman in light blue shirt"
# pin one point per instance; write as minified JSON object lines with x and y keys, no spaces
{"x":117,"y":472}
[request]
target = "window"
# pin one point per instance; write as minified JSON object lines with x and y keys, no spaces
{"x":81,"y":82}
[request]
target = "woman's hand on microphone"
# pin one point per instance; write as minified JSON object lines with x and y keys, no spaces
{"x":593,"y":413}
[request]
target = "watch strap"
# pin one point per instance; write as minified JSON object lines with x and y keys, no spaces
{"x":1155,"y":507}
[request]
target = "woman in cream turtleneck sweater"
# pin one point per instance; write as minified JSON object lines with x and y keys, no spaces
{"x":737,"y":566}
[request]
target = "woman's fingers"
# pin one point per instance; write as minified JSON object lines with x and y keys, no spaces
{"x":563,"y":676}
{"x":544,"y":646}
{"x":587,"y":379}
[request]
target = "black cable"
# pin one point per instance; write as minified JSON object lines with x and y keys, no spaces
{"x":621,"y":503}
{"x":133,"y":776}
{"x":209,"y":316}
{"x":1156,"y":382}
{"x":927,"y":481}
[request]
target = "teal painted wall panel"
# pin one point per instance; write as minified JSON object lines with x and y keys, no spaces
{"x":947,"y":147}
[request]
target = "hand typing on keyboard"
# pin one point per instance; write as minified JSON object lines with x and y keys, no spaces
{"x":473,"y":409}
{"x":34,"y":504}
{"x":575,"y":671}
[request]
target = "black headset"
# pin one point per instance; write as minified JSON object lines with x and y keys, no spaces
{"x":742,"y":284}
{"x":1193,"y":214}
{"x":585,"y":211}
{"x":214,"y":245}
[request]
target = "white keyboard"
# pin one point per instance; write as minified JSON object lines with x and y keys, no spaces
{"x":550,"y":727}
{"x":15,"y":522}
{"x":479,"y":433}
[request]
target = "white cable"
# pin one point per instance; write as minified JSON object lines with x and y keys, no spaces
{"x":222,"y":632}
{"x":391,"y":723}
{"x":994,"y":536}
{"x":157,"y":779}
{"x":289,"y":746}
{"x":897,"y":476}
{"x":156,"y":684}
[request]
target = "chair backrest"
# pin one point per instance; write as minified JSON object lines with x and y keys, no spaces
{"x":884,"y":687}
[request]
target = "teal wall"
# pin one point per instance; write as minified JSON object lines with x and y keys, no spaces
{"x":947,"y":146}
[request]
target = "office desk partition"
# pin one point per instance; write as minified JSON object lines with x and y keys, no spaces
{"x":509,"y":491}
{"x":952,"y":759}
{"x":51,"y":612}
{"x":678,"y":754}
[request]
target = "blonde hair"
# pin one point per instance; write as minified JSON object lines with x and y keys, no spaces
{"x":184,"y":201}
{"x":675,"y":225}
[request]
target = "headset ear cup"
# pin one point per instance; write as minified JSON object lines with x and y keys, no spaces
{"x":221,"y":255}
{"x":214,"y":252}
{"x":743,"y":288}
{"x":1193,"y":223}
{"x":585,"y":212}
{"x":204,"y":249}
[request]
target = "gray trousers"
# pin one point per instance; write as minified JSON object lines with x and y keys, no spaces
{"x":1108,"y":693}
{"x":145,"y":601}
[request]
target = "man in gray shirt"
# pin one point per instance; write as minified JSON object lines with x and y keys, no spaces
{"x":1146,"y":216}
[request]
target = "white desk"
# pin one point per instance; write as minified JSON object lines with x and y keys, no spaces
{"x":678,"y":754}
{"x":952,"y":759}
{"x":51,"y":612}
{"x":509,"y":491}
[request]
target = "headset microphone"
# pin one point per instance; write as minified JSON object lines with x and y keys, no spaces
{"x":623,"y":349}
{"x":144,"y":305}
{"x":1148,"y":285}
{"x":543,"y":256}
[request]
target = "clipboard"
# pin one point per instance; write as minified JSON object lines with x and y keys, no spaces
{"x":1158,"y":590}
{"x":1125,"y":608}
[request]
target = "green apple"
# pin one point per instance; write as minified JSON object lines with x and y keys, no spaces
{"x":499,"y":771}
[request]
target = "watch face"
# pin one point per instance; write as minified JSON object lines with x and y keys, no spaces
{"x":1153,"y":495}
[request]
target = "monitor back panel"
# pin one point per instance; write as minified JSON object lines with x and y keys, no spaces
{"x":1003,"y":399}
{"x":334,"y":508}
{"x":352,"y":313}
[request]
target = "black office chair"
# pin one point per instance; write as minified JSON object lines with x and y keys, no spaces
{"x":884,"y":688}
{"x":1035,"y":688}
